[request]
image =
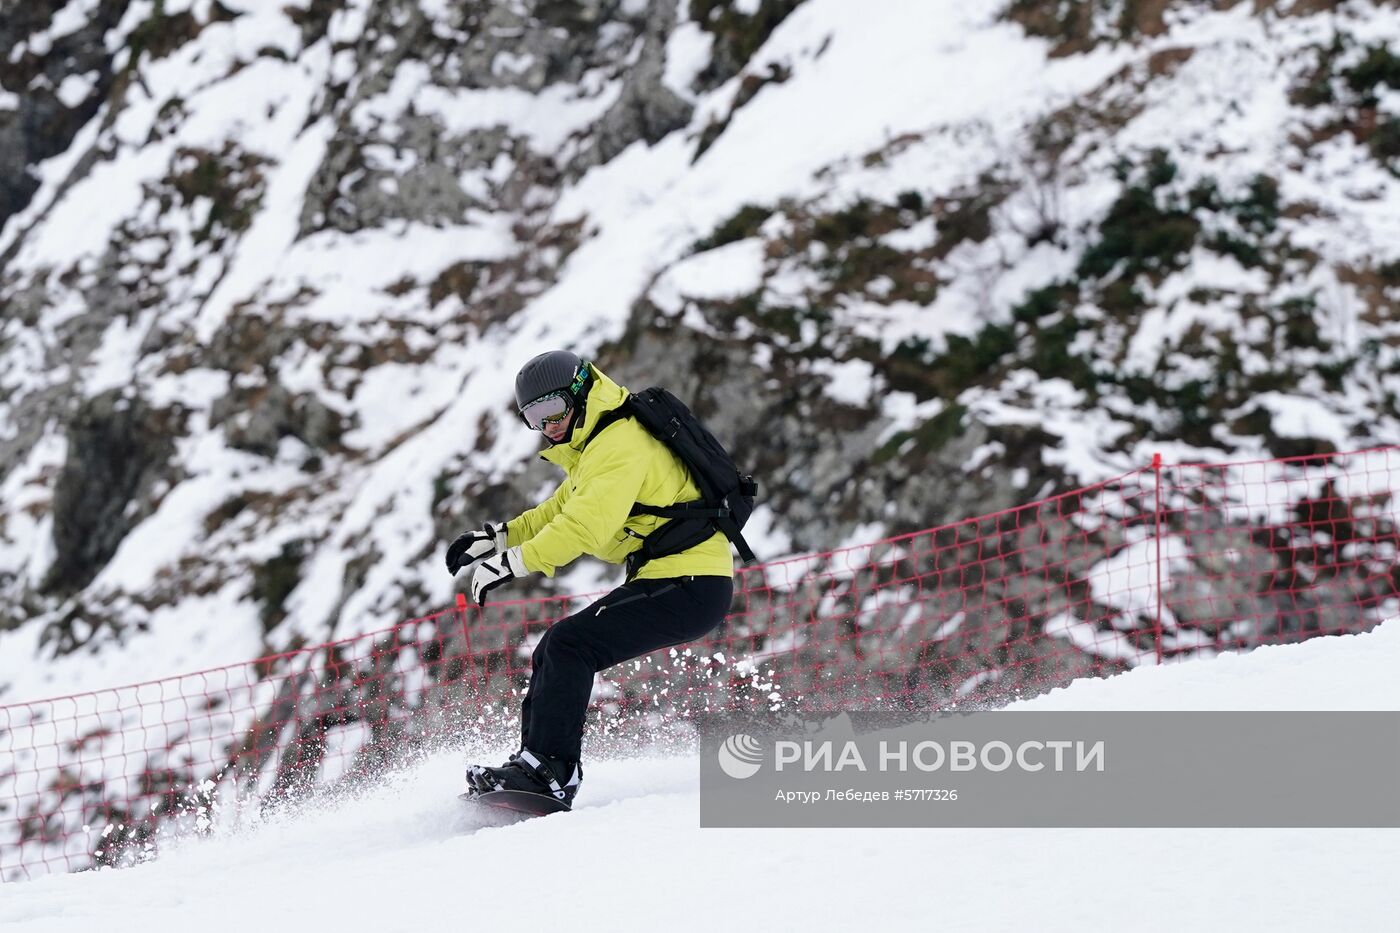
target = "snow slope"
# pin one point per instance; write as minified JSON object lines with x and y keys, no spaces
{"x":631,"y":856}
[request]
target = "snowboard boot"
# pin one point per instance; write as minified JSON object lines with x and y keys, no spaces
{"x":529,"y":772}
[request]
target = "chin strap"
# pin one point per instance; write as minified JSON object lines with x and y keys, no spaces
{"x":580,"y":412}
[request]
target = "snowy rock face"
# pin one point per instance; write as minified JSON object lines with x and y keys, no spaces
{"x":55,"y":75}
{"x":267,"y":270}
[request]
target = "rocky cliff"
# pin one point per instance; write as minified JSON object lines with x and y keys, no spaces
{"x":266,"y":271}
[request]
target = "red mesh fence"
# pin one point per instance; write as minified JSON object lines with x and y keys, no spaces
{"x":1159,"y":564}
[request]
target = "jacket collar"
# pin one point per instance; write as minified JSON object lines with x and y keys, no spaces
{"x":603,"y":397}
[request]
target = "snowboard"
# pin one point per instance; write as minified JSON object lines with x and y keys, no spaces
{"x":518,"y":801}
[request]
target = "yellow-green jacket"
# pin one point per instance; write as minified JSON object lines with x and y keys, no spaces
{"x":590,"y":511}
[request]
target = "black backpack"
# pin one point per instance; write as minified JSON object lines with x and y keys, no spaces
{"x":726,"y":494}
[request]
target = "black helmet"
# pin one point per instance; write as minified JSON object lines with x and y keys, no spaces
{"x":555,"y":371}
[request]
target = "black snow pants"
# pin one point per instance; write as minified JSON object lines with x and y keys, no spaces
{"x":635,"y":619}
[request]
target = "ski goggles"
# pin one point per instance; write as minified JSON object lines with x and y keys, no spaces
{"x":547,"y":410}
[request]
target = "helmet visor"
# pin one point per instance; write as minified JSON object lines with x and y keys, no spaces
{"x":547,"y":410}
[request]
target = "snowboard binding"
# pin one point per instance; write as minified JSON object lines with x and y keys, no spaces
{"x":527,"y":773}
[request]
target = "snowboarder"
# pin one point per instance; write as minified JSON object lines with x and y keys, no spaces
{"x":667,"y":600}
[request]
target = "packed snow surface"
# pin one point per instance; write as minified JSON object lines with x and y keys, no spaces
{"x":408,"y":856}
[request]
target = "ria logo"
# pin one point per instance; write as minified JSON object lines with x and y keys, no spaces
{"x":740,"y":756}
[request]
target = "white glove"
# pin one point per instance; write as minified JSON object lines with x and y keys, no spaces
{"x":474,"y":545}
{"x":495,"y":570}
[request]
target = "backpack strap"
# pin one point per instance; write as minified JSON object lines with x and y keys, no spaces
{"x":736,"y":537}
{"x":608,"y":419}
{"x":748,"y":486}
{"x":720,"y":517}
{"x":696,"y":509}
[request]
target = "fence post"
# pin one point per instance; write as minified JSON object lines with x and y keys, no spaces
{"x":1157,"y":533}
{"x":468,"y":658}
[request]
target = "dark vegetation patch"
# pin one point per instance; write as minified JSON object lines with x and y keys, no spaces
{"x":459,"y":279}
{"x":161,"y":33}
{"x":231,"y":180}
{"x":931,"y":435}
{"x":1077,"y":26}
{"x":1057,"y":331}
{"x":1147,"y":234}
{"x":1145,"y":231}
{"x":1353,"y":93}
{"x":741,"y":225}
{"x":227,"y":511}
